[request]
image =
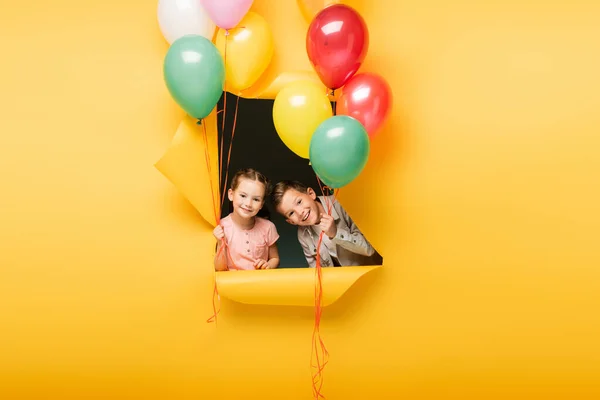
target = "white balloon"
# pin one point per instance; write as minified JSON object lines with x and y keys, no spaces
{"x":177,"y":18}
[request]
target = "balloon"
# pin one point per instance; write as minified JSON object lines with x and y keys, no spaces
{"x":227,"y":14}
{"x":368,"y":98}
{"x":194,"y":74}
{"x":249,"y":51}
{"x":299,"y":109}
{"x":177,"y":18}
{"x":337,"y":42}
{"x":310,"y":8}
{"x":339,"y":150}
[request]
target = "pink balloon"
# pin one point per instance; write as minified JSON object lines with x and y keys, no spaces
{"x":226,"y":14}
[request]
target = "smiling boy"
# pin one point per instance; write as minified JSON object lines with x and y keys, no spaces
{"x":343,"y":243}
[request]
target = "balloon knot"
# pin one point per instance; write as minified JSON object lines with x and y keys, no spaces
{"x":199,"y":122}
{"x":226,"y":32}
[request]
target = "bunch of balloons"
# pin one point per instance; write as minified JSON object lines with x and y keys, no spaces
{"x":337,"y":145}
{"x":202,"y":60}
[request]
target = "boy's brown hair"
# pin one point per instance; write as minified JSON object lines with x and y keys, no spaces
{"x":282,"y":188}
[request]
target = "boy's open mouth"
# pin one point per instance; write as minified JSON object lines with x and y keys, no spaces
{"x":306,"y":216}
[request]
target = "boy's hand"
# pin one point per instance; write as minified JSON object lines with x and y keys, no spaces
{"x":327,"y":225}
{"x":219,"y":233}
{"x":261,"y":264}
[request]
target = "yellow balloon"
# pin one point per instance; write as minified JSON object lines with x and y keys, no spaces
{"x":299,"y":109}
{"x":310,"y":8}
{"x":249,"y":51}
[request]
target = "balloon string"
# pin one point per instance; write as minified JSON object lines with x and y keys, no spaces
{"x":325,"y":191}
{"x":221,"y":183}
{"x":334,"y":105}
{"x":209,"y":169}
{"x":224,"y":182}
{"x":215,"y":297}
{"x":237,"y":103}
{"x":319,"y":353}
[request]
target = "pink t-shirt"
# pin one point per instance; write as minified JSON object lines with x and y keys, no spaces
{"x":247,"y":246}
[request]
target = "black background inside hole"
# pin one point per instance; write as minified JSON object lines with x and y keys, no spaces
{"x":257,"y":145}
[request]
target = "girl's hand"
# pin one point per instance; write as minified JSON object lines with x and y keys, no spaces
{"x":327,"y":225}
{"x":219,"y":233}
{"x":261,"y":264}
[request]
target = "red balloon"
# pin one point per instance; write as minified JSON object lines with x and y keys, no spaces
{"x":368,"y":98}
{"x":337,"y":42}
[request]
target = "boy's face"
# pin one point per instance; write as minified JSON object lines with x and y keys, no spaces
{"x":300,"y":208}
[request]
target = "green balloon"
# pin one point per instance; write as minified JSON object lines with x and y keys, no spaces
{"x":339,"y":150}
{"x":195,"y":74}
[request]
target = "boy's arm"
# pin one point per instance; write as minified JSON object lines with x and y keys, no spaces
{"x":309,"y":255}
{"x":351,"y":238}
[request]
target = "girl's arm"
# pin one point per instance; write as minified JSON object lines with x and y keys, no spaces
{"x":221,"y":258}
{"x":273,"y":257}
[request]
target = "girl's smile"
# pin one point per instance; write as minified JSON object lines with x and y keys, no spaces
{"x":247,"y":198}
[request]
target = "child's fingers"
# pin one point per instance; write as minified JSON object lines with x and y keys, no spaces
{"x":325,"y":222}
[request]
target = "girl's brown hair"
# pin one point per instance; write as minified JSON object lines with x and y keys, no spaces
{"x":253,"y":175}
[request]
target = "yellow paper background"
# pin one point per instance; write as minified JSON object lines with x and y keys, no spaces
{"x":192,"y":164}
{"x":482,"y":188}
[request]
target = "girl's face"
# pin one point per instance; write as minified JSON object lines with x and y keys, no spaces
{"x":248,"y":198}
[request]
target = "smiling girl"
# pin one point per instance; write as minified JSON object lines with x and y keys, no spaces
{"x":250,"y":240}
